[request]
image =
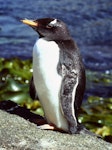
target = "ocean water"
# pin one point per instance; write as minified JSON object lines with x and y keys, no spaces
{"x":89,"y":22}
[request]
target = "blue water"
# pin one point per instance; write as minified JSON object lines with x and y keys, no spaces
{"x":89,"y":22}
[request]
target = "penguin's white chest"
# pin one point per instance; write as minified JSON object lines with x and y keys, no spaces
{"x":47,"y":81}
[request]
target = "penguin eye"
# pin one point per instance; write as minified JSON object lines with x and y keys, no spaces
{"x":49,"y":26}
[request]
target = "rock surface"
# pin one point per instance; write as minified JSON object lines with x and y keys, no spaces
{"x":19,"y":134}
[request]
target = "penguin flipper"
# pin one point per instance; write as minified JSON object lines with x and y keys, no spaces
{"x":32,"y":90}
{"x":67,"y":97}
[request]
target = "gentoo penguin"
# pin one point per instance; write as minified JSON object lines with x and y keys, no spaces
{"x":58,"y":74}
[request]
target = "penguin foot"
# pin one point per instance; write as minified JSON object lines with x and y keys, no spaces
{"x":50,"y":127}
{"x":46,"y":127}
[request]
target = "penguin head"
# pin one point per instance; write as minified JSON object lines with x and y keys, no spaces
{"x":49,"y":28}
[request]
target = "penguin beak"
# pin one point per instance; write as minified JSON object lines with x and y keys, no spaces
{"x":31,"y":23}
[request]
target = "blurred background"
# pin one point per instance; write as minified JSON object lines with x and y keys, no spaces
{"x":90,"y":24}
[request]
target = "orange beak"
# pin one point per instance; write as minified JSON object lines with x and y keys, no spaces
{"x":30,"y":22}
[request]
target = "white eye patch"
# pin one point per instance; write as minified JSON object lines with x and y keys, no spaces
{"x":53,"y":22}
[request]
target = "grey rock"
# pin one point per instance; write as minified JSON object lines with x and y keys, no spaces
{"x":19,"y":134}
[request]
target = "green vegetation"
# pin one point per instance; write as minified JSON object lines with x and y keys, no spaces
{"x":95,"y":114}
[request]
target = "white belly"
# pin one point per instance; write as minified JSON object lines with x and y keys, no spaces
{"x":47,"y":81}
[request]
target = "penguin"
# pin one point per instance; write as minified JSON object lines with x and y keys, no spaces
{"x":58,"y":74}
